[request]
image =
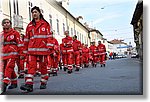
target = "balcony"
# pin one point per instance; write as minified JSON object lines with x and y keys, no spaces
{"x":17,"y":21}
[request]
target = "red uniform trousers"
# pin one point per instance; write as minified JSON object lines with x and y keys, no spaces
{"x":67,"y":58}
{"x":54,"y":63}
{"x":95,"y":58}
{"x":9,"y":72}
{"x":77,"y":59}
{"x":49,"y":63}
{"x":33,"y":67}
{"x":85,"y":57}
{"x":21,"y":66}
{"x":102,"y":59}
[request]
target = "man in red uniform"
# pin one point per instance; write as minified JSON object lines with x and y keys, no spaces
{"x":102,"y":53}
{"x":12,"y":48}
{"x":37,"y":33}
{"x":76,"y":49}
{"x":68,"y":52}
{"x":54,"y":54}
{"x":94,"y":53}
{"x":85,"y":55}
{"x":21,"y":69}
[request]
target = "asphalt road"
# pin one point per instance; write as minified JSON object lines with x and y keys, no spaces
{"x":119,"y":77}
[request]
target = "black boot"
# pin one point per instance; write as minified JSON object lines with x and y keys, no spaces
{"x":27,"y":87}
{"x":21,"y":76}
{"x":12,"y":86}
{"x":4,"y":87}
{"x":43,"y":86}
{"x":101,"y":66}
{"x":104,"y":65}
{"x":77,"y":69}
{"x":69,"y":71}
{"x":65,"y":68}
{"x":54,"y":73}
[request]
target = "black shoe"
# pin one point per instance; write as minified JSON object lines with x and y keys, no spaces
{"x":69,"y":71}
{"x":101,"y":66}
{"x":54,"y":73}
{"x":95,"y":65}
{"x":43,"y":86}
{"x":65,"y":68}
{"x":12,"y":86}
{"x":104,"y":65}
{"x":27,"y":87}
{"x":4,"y":87}
{"x":77,"y":69}
{"x":21,"y":76}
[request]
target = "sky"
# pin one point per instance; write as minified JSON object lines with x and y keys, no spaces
{"x":111,"y":17}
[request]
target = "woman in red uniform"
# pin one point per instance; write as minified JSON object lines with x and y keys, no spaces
{"x":37,"y":33}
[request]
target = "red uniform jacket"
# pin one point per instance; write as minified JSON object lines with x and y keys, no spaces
{"x":67,"y":44}
{"x":76,"y":45}
{"x":85,"y":51}
{"x":53,"y":45}
{"x":94,"y":50}
{"x":12,"y":44}
{"x":101,"y":49}
{"x":36,"y":38}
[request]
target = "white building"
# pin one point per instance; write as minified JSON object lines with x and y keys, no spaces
{"x":119,"y":47}
{"x":19,"y":11}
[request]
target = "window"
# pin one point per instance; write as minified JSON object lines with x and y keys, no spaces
{"x":0,"y":4}
{"x":82,"y":39}
{"x":103,"y":41}
{"x":50,"y":20}
{"x":57,"y":26}
{"x":77,"y":35}
{"x":71,"y":31}
{"x":30,"y":7}
{"x":74,"y":32}
{"x":63,"y":27}
{"x":15,"y":4}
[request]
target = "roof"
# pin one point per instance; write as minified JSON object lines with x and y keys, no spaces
{"x":97,"y":31}
{"x":138,"y":12}
{"x":116,"y":41}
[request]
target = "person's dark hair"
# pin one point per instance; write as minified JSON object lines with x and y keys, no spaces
{"x":3,"y":21}
{"x":41,"y":16}
{"x":75,"y":36}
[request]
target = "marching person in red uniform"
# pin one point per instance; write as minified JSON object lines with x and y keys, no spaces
{"x":12,"y":48}
{"x":21,"y":69}
{"x":76,"y":49}
{"x":68,"y":52}
{"x":54,"y":54}
{"x":37,"y":33}
{"x":102,"y":53}
{"x":85,"y":55}
{"x":94,"y":52}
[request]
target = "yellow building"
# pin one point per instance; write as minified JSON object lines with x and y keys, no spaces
{"x":59,"y":18}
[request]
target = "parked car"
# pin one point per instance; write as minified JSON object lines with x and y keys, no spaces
{"x":121,"y":56}
{"x":134,"y":56}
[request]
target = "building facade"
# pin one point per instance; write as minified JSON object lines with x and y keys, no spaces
{"x":19,"y":11}
{"x":119,"y":47}
{"x":137,"y":22}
